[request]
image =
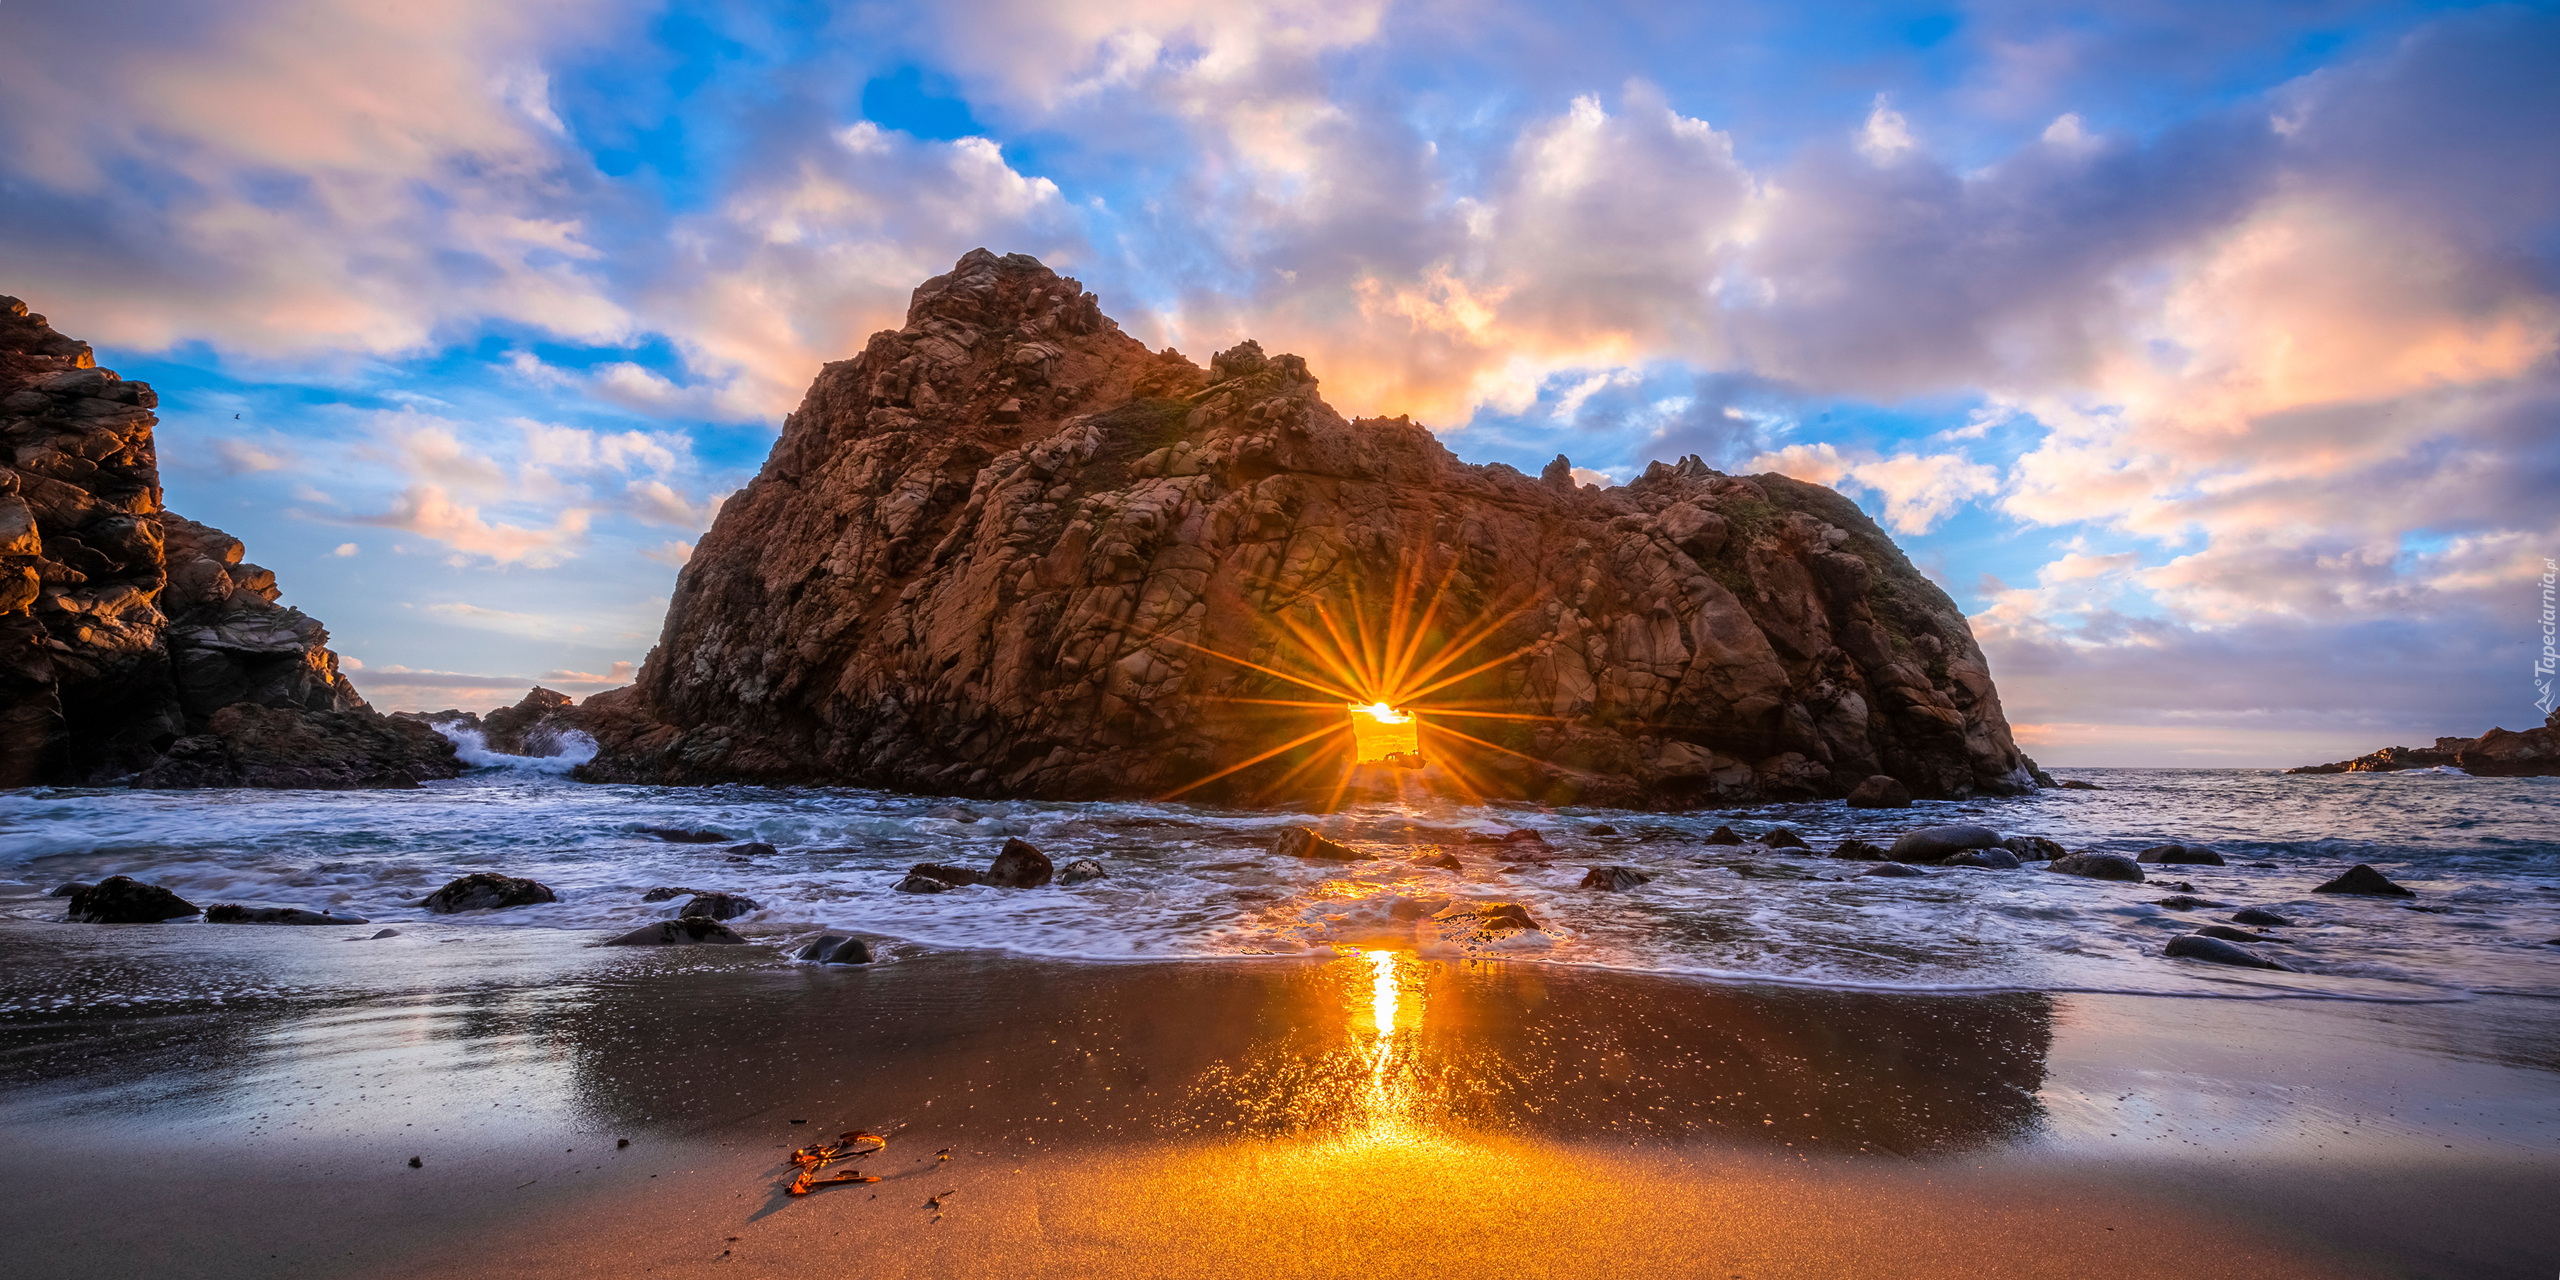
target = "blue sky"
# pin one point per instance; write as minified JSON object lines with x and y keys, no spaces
{"x":2204,"y":353}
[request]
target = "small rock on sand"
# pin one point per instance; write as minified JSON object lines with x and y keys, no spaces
{"x":1303,"y":842}
{"x":835,"y":948}
{"x":2099,"y":866}
{"x":682,"y":932}
{"x":1614,"y":878}
{"x":2188,"y":946}
{"x":2365,"y":880}
{"x":125,"y":900}
{"x":488,"y":891}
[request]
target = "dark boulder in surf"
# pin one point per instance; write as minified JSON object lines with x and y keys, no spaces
{"x":686,"y":931}
{"x":2188,"y":946}
{"x":488,"y":891}
{"x":2099,"y":866}
{"x":2362,"y":879}
{"x":125,"y":900}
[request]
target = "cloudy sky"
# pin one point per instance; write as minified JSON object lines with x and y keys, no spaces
{"x":2204,"y":352}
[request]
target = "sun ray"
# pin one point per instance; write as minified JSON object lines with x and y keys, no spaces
{"x":1494,"y":745}
{"x":1430,"y":689}
{"x":1459,"y":648}
{"x":1344,"y":727}
{"x":1422,"y":628}
{"x":1344,"y":694}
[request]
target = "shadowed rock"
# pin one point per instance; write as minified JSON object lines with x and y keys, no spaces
{"x":2229,"y":934}
{"x":2363,"y":879}
{"x":1614,"y":878}
{"x":2034,"y":848}
{"x":488,"y":891}
{"x":684,"y":931}
{"x":1860,"y":851}
{"x":1080,"y":871}
{"x":1992,"y":859}
{"x":719,"y":906}
{"x":1880,"y":791}
{"x":2195,"y":855}
{"x":1019,"y":866}
{"x":2189,"y":946}
{"x":916,"y":883}
{"x":2258,"y":915}
{"x":138,"y":647}
{"x":835,"y":948}
{"x":235,"y":913}
{"x":951,"y":876}
{"x":1724,"y":835}
{"x":1303,"y":842}
{"x":1930,"y":844}
{"x":125,"y":900}
{"x":2099,"y":866}
{"x":1782,"y":838}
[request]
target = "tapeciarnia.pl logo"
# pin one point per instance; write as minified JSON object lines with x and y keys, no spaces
{"x":2547,"y":660}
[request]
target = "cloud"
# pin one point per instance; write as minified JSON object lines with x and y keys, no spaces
{"x":676,"y":554}
{"x":620,"y":674}
{"x":1919,"y":490}
{"x":427,"y":510}
{"x":346,"y":549}
{"x":239,"y":457}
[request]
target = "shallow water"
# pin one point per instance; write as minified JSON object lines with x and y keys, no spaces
{"x":1191,"y":881}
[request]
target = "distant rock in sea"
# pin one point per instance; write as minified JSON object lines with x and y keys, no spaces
{"x":999,"y":552}
{"x":138,"y":647}
{"x":2533,"y":753}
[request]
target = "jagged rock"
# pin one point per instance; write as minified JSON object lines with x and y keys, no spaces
{"x":1895,"y":869}
{"x":2258,"y":915}
{"x":949,"y":873}
{"x":1782,"y":838}
{"x":1861,"y":851}
{"x":1614,"y":878}
{"x":719,"y":906}
{"x":510,"y":729}
{"x":129,"y":635}
{"x":994,"y":553}
{"x":1994,"y":858}
{"x":2034,"y":848}
{"x":916,"y":882}
{"x":1303,"y":842}
{"x":683,"y":931}
{"x":2099,"y":866}
{"x":835,"y":948}
{"x":2194,"y":947}
{"x":2533,"y":753}
{"x":2184,"y":855}
{"x":1081,"y":870}
{"x":2365,"y":880}
{"x":1495,"y":917}
{"x":1725,"y":836}
{"x":1930,"y":844}
{"x":1019,"y":866}
{"x":1881,"y":791}
{"x":125,"y":900}
{"x":236,"y":913}
{"x":488,"y":891}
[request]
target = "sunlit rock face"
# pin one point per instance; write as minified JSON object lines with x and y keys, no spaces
{"x":1007,"y":550}
{"x":135,"y":644}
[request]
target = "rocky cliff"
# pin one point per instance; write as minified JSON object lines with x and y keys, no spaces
{"x":1009,"y":551}
{"x":2499,"y":753}
{"x":137,"y":646}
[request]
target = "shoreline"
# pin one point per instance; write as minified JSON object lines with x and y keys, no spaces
{"x":1573,"y":1121}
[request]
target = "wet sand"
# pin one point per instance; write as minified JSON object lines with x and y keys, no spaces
{"x":1361,"y":1116}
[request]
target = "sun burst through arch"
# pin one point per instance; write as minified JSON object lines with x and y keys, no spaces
{"x":1385,"y":681}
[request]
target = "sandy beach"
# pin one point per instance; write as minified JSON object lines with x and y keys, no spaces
{"x":1367,"y":1114}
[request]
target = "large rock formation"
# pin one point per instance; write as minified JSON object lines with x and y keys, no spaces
{"x":2533,"y":753}
{"x":1001,"y":550}
{"x":136,"y":645}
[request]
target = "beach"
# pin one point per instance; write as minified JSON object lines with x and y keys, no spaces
{"x":1370,"y":1113}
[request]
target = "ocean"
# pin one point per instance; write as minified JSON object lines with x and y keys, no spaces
{"x":1198,"y":882}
